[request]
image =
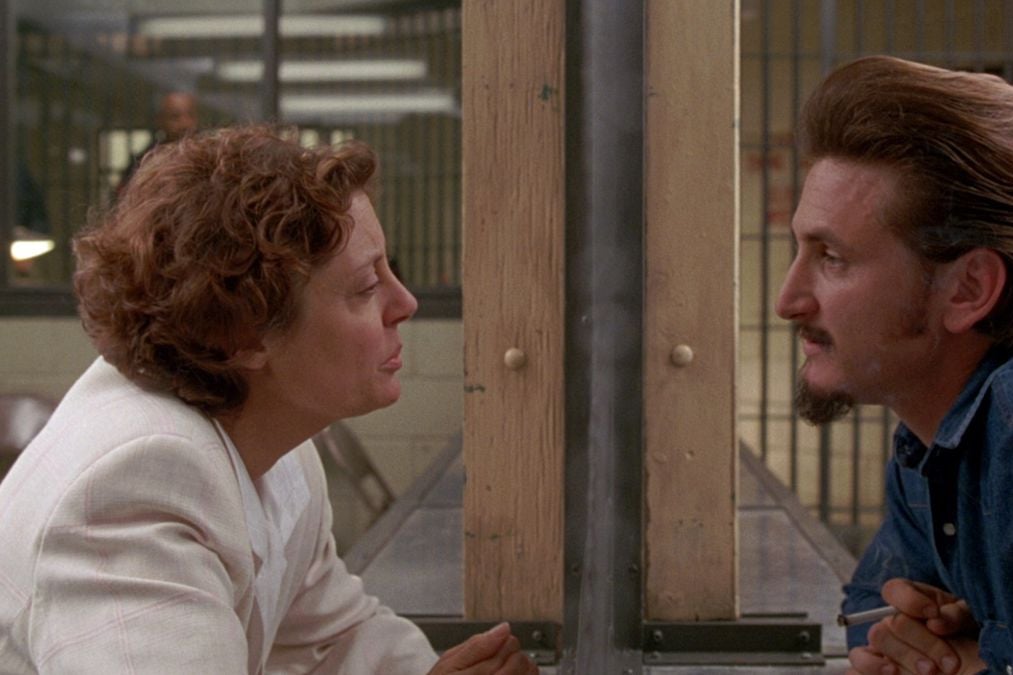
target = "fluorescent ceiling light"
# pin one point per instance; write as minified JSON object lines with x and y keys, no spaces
{"x":326,"y":71}
{"x":296,"y":105}
{"x":26,"y":250}
{"x":252,"y":25}
{"x":27,"y":244}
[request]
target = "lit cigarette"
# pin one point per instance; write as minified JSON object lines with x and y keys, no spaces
{"x":868,"y":616}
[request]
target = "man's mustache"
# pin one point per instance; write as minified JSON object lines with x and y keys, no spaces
{"x":812,"y":334}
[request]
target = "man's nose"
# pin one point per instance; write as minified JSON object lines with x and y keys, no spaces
{"x":795,"y":299}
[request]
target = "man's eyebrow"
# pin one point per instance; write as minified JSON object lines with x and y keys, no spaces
{"x":820,"y":234}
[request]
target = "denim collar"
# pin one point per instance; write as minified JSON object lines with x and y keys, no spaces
{"x":911,"y":452}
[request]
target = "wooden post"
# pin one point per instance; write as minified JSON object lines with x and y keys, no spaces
{"x":691,"y":309}
{"x":513,"y":288}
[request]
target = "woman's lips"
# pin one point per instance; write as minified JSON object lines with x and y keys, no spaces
{"x":394,"y":363}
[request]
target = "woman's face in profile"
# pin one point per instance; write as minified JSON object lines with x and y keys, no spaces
{"x":341,"y":356}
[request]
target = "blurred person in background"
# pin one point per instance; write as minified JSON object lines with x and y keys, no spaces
{"x":31,"y":217}
{"x":176,"y":117}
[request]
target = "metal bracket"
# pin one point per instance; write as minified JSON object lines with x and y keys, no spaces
{"x":756,"y":639}
{"x":539,"y":639}
{"x":773,"y":640}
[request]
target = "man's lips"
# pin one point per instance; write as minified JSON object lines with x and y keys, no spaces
{"x":814,"y":340}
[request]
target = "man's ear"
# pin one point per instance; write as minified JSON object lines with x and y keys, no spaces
{"x":974,"y":284}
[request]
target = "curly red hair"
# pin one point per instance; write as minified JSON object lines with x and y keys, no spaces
{"x":207,"y":249}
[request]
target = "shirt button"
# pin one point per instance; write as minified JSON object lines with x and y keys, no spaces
{"x":949,"y":529}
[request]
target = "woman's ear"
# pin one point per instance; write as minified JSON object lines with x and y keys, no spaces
{"x":251,"y":358}
{"x":974,"y":283}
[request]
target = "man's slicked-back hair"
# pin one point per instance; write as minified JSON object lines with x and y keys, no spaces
{"x":948,"y":135}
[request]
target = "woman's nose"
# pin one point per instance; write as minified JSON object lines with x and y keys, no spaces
{"x":403,"y":304}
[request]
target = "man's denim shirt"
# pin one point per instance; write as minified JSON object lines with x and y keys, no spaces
{"x":949,"y":518}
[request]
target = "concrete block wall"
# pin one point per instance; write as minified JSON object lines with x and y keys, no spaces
{"x":42,"y":355}
{"x":46,"y":355}
{"x":404,"y":438}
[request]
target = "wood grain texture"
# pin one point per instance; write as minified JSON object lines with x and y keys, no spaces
{"x":513,"y":288}
{"x":691,"y":244}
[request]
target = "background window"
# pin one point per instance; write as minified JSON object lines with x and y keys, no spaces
{"x":90,"y":78}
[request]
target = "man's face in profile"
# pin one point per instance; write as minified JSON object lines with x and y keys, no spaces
{"x":858,"y":295}
{"x":177,"y":116}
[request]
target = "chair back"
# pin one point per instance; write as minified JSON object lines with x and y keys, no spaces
{"x":343,"y":446}
{"x":22,"y":416}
